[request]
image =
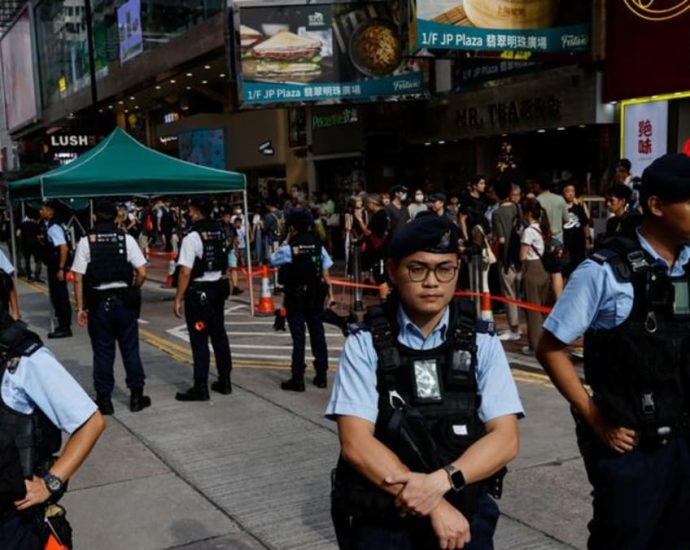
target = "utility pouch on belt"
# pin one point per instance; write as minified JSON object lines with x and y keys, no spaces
{"x":131,"y":298}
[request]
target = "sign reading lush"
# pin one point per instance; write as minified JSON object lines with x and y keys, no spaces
{"x":540,"y":26}
{"x":323,"y":53}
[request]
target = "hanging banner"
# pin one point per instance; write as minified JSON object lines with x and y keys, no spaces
{"x":540,"y":26}
{"x":129,"y":28}
{"x":645,"y":133}
{"x":323,"y":53}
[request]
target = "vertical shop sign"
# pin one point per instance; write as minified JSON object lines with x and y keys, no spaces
{"x":129,"y":29}
{"x":645,"y":133}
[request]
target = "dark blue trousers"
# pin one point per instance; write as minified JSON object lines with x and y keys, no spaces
{"x":417,"y":533}
{"x":641,"y":498}
{"x":18,"y":533}
{"x":111,"y":321}
{"x":297,"y":317}
{"x":205,"y":318}
{"x":59,"y":298}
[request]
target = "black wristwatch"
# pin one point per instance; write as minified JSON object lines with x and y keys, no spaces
{"x":457,"y":480}
{"x":55,"y":485}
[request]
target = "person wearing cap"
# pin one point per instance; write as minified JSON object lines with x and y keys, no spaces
{"x":109,"y":270}
{"x":203,"y":288}
{"x":630,"y":300}
{"x":56,"y":256}
{"x":437,"y":204}
{"x":420,"y":451}
{"x":396,"y":209}
{"x":303,"y":272}
{"x":39,"y":401}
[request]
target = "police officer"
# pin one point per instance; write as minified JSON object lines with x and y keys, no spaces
{"x":56,"y":257}
{"x":8,"y":292}
{"x":109,"y":270}
{"x":303,"y":272}
{"x":426,"y":408}
{"x":202,"y":284}
{"x":630,"y":299}
{"x":39,"y":399}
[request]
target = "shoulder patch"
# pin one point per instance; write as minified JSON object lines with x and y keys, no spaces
{"x":485,"y":327}
{"x":354,"y":328}
{"x":604,"y":255}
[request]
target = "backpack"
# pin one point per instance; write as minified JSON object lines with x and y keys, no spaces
{"x":555,"y":257}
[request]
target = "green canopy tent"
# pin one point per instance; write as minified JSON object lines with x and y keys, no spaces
{"x":121,"y":166}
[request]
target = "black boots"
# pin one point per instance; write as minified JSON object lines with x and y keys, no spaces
{"x":198,"y":392}
{"x":321,"y":380}
{"x":138,"y":401}
{"x":60,"y":332}
{"x":295,"y":383}
{"x":222,"y":385}
{"x":105,"y":404}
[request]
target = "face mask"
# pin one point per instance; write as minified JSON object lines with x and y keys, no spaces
{"x":403,"y":197}
{"x":419,"y":198}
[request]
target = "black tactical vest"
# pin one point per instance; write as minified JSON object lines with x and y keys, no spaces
{"x":302,"y":276}
{"x":27,"y":442}
{"x":428,"y":408}
{"x":108,"y":249}
{"x":639,"y":371}
{"x":215,"y":256}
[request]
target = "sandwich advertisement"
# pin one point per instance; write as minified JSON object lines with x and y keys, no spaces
{"x":537,"y":26}
{"x":323,"y":53}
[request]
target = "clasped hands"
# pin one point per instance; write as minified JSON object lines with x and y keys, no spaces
{"x":422,"y":495}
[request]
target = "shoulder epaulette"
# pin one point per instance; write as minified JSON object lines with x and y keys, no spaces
{"x":485,"y":327}
{"x":354,"y":328}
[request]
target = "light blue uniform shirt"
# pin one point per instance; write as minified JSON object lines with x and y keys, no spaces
{"x":283,"y":256}
{"x":594,"y":298}
{"x":41,"y":381}
{"x":5,"y":264}
{"x":56,"y":235}
{"x":354,"y":388}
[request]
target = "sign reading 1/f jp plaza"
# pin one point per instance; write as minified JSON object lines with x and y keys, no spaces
{"x":323,"y":53}
{"x":538,"y":26}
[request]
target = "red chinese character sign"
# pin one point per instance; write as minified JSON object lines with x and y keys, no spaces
{"x":645,"y":133}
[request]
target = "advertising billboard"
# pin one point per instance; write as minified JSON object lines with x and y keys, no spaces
{"x":539,"y":26}
{"x":645,"y":133}
{"x":129,"y":29}
{"x":16,"y":55}
{"x":204,"y":147}
{"x":323,"y":53}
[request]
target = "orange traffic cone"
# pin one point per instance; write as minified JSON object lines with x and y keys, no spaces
{"x":170,"y":279}
{"x":266,"y":305}
{"x":485,"y":311}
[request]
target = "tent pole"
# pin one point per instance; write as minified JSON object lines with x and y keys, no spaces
{"x":249,"y":252}
{"x":91,"y":213}
{"x":13,"y":238}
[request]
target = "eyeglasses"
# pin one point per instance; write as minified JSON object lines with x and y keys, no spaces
{"x":444,"y":273}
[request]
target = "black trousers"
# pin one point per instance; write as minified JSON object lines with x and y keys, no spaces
{"x":205,"y":317}
{"x":299,"y":315}
{"x":641,"y":498}
{"x":30,"y":252}
{"x":18,"y":533}
{"x":59,"y":298}
{"x":110,"y":321}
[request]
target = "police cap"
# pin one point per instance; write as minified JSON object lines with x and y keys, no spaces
{"x":668,"y":177}
{"x":427,"y":232}
{"x":202,"y":203}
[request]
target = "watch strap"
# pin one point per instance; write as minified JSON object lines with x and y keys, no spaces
{"x":456,"y":477}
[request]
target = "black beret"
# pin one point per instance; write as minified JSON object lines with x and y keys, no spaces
{"x":437,"y":197}
{"x":51,"y":203}
{"x":427,"y":232}
{"x":668,"y":177}
{"x":397,"y":188}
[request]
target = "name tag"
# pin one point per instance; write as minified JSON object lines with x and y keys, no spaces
{"x":460,"y":429}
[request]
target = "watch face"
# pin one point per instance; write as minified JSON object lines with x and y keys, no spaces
{"x":53,"y":483}
{"x":458,"y":480}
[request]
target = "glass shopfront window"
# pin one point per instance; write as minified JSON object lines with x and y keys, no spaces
{"x":123,"y":29}
{"x":62,"y":48}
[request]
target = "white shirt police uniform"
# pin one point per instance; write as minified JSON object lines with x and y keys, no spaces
{"x":5,"y":264}
{"x":192,"y":248}
{"x":82,"y":257}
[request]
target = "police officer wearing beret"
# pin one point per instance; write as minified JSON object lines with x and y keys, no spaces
{"x":630,"y":300}
{"x":39,"y":399}
{"x":56,"y":256}
{"x":202,"y":285}
{"x":426,"y":406}
{"x":109,"y":270}
{"x":303,"y":272}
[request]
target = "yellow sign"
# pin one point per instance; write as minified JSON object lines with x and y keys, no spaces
{"x":651,"y":10}
{"x":62,"y":84}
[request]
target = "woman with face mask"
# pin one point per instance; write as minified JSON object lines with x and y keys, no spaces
{"x":418,"y":205}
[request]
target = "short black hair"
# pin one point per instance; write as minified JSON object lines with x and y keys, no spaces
{"x":625,"y":164}
{"x":105,"y":210}
{"x":619,"y":191}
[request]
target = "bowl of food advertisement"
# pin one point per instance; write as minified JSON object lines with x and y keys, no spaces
{"x":375,"y":48}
